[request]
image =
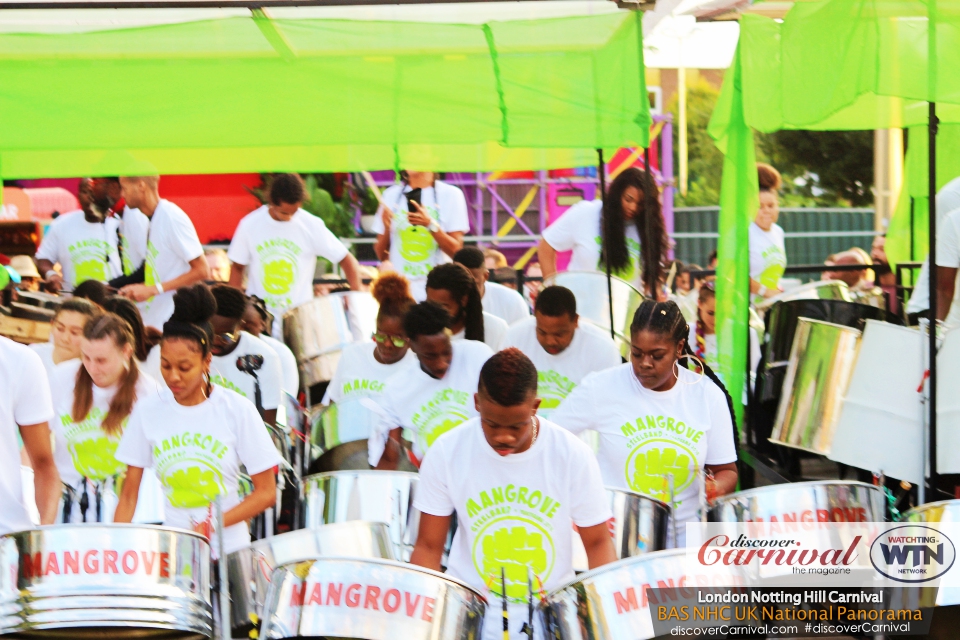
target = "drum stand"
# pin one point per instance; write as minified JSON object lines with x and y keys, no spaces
{"x":224,"y":587}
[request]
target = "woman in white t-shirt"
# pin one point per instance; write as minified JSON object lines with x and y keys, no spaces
{"x":66,"y":330}
{"x":656,"y":419}
{"x":93,"y":400}
{"x":768,"y":254}
{"x":453,"y":287}
{"x":196,"y":435}
{"x":520,"y":486}
{"x":421,"y":403}
{"x":419,"y":225}
{"x":627,"y":226}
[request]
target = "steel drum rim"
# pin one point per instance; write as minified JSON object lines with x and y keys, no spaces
{"x":784,"y":296}
{"x":826,"y":323}
{"x":809,"y":484}
{"x":623,"y":562}
{"x":327,"y":474}
{"x":91,"y":526}
{"x":267,"y":543}
{"x":640,"y":495}
{"x":931,"y":505}
{"x":389,"y":563}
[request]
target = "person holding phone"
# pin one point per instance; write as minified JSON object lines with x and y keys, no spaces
{"x":419,"y":225}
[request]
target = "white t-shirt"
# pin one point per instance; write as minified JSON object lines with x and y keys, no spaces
{"x":172,"y":244}
{"x":948,"y":255}
{"x":645,"y":434}
{"x":948,"y":200}
{"x":197,"y":452}
{"x":590,"y":350}
{"x":84,"y":250}
{"x":515,"y":512}
{"x":494,"y":330}
{"x":768,"y":256}
{"x":281,"y":257}
{"x":82,"y":449}
{"x":709,"y":343}
{"x":224,"y":372}
{"x":413,"y":251}
{"x":134,"y":227}
{"x":579,"y":230}
{"x":505,"y":303}
{"x":288,"y":364}
{"x":45,"y":351}
{"x":427,"y":408}
{"x":359,"y":376}
{"x":24,"y":400}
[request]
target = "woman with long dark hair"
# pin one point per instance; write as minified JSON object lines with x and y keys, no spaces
{"x":660,"y":423}
{"x":454,"y":288}
{"x":626,"y":230}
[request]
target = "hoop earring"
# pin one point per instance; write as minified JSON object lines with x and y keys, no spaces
{"x":700,"y":363}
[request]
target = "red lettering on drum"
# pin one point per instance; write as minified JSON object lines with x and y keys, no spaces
{"x":32,"y":565}
{"x":296,"y":595}
{"x":164,"y":564}
{"x":353,"y":595}
{"x":315,"y":595}
{"x":148,"y":564}
{"x":387,"y":606}
{"x":370,"y":600}
{"x":90,"y":562}
{"x":52,"y":565}
{"x":129,"y":567}
{"x":428,"y":609}
{"x":71,"y":562}
{"x":110,"y":561}
{"x":411,"y":609}
{"x":333,"y":593}
{"x":834,"y":514}
{"x":627,"y":601}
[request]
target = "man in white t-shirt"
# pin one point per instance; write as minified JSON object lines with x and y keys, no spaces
{"x":498,"y":300}
{"x":563,"y":350}
{"x":256,"y":319}
{"x":242,"y":362}
{"x":25,"y":406}
{"x":948,"y":201}
{"x":518,"y":485}
{"x":82,"y":242}
{"x":174,"y":255}
{"x":132,"y":230}
{"x":420,"y":225}
{"x":277,"y":247}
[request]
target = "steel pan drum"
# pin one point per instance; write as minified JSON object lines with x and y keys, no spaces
{"x":821,"y":365}
{"x":820,"y":501}
{"x":316,"y":332}
{"x":609,"y":603}
{"x":820,"y":290}
{"x":339,"y":424}
{"x":249,"y":569}
{"x":946,"y":512}
{"x":639,"y":526}
{"x":372,"y":496}
{"x":369,"y":599}
{"x":590,"y":290}
{"x":94,"y":581}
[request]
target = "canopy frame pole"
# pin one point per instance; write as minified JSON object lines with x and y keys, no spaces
{"x":602,"y":179}
{"x":932,"y":126}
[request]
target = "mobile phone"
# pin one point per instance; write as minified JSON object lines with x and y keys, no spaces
{"x":413,"y":196}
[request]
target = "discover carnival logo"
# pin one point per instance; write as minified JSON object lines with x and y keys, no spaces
{"x":912,"y":553}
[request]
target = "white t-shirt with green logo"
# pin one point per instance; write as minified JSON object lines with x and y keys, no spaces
{"x":224,"y":372}
{"x":172,"y":244}
{"x":646,"y":434}
{"x":427,"y":408}
{"x":358,"y":376}
{"x":516,"y":512}
{"x":413,"y":251}
{"x":578,"y":230}
{"x":768,"y":256}
{"x":197,"y":452}
{"x":281,"y":257}
{"x":84,"y":250}
{"x":590,"y":350}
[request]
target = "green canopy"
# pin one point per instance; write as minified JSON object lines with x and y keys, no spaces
{"x":828,"y":65}
{"x":248,"y":94}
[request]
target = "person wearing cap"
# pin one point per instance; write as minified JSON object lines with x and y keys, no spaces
{"x":82,"y":242}
{"x":27,"y":270}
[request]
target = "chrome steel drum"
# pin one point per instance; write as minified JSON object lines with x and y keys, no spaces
{"x":945,"y":512}
{"x":821,"y":501}
{"x":819,"y":290}
{"x":610,"y":603}
{"x":249,"y":569}
{"x":639,"y":526}
{"x":821,"y":365}
{"x":370,"y":599}
{"x":95,"y":581}
{"x":316,"y":332}
{"x":373,"y":496}
{"x":590,"y":290}
{"x":338,"y":424}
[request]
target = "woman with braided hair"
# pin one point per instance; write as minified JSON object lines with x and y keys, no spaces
{"x":660,"y":424}
{"x":454,"y":288}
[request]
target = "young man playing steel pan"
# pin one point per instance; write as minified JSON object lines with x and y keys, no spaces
{"x":518,"y":484}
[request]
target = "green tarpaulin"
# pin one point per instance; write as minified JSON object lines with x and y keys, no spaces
{"x":828,"y":65}
{"x":244,"y":94}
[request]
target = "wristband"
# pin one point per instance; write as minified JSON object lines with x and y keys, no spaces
{"x":50,"y":273}
{"x":762,"y":291}
{"x":159,"y":287}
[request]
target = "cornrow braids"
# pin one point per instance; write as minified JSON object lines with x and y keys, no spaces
{"x":665,"y":318}
{"x":458,"y":280}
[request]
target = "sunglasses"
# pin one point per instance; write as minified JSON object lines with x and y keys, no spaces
{"x":227,"y":338}
{"x":382,"y":338}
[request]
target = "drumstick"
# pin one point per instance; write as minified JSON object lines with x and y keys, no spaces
{"x":506,"y":616}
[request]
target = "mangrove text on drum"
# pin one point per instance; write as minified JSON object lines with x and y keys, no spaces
{"x":364,"y":596}
{"x":95,"y":561}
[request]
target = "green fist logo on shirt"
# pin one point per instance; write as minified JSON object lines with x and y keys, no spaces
{"x":278,"y":276}
{"x":432,"y":431}
{"x":94,"y":457}
{"x":518,"y":551}
{"x":416,"y":244}
{"x":650,"y":462}
{"x":90,"y":270}
{"x":193,"y":486}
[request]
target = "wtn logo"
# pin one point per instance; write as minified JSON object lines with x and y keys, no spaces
{"x":912,"y":553}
